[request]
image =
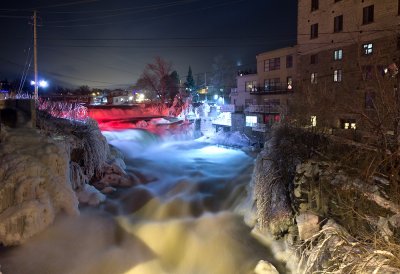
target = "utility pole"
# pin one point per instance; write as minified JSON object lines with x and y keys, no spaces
{"x":36,"y":96}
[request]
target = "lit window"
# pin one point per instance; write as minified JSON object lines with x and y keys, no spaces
{"x":250,"y":86}
{"x":314,"y":121}
{"x":338,"y":54}
{"x":348,"y":124}
{"x":314,"y":31}
{"x":314,"y":59}
{"x":368,"y":14}
{"x":337,"y":75}
{"x":338,"y":23}
{"x":314,"y":76}
{"x":289,"y":83}
{"x":251,"y":121}
{"x":367,"y":49}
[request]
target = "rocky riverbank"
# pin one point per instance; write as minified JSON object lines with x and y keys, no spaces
{"x":319,"y":214}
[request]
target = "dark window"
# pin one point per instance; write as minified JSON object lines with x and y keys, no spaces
{"x":398,"y":41}
{"x":367,"y":72}
{"x":314,"y":59}
{"x":341,"y":0}
{"x":381,"y":70}
{"x":314,"y":31}
{"x":289,"y":61}
{"x":314,"y":4}
{"x":272,"y":84}
{"x":368,"y":14}
{"x":338,"y":23}
{"x":398,"y":7}
{"x":272,"y":64}
{"x":369,"y":100}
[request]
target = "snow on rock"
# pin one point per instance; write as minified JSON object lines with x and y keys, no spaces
{"x":34,"y":184}
{"x":90,"y":195}
{"x":264,"y":267}
{"x":232,"y":139}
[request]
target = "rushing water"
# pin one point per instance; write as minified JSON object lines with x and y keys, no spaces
{"x":180,"y":221}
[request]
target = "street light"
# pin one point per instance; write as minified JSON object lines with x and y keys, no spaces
{"x":42,"y":83}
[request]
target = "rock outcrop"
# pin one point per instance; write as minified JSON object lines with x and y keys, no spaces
{"x":34,"y":184}
{"x":337,"y":218}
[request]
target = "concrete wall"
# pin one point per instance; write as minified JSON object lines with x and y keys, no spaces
{"x":241,"y":95}
{"x":17,"y":113}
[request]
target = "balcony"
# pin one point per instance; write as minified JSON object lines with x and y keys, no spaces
{"x":259,"y":127}
{"x":280,"y":88}
{"x":263,"y":109}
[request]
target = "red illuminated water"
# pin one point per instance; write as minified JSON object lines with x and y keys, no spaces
{"x":132,"y":116}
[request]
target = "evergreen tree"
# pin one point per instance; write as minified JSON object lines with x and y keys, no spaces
{"x":190,"y":84}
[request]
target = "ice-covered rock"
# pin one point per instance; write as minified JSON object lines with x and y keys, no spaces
{"x":34,"y":184}
{"x":264,"y":267}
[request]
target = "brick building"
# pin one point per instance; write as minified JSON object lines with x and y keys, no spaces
{"x":344,"y":50}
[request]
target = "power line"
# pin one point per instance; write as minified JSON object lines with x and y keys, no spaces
{"x":135,"y":10}
{"x":150,"y":18}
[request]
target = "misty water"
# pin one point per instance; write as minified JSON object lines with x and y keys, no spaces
{"x":181,"y":221}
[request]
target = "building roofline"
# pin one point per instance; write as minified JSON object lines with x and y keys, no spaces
{"x":277,"y":50}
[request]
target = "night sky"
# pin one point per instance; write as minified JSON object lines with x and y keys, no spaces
{"x":106,"y":44}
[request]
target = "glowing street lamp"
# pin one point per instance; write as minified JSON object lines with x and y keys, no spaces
{"x":42,"y":83}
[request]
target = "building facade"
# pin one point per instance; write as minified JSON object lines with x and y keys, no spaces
{"x":344,"y":50}
{"x":264,"y":95}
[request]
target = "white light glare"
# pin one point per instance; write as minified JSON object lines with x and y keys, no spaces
{"x":42,"y":83}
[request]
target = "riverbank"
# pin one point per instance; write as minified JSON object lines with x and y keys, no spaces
{"x":313,"y":202}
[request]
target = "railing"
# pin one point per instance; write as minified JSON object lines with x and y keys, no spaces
{"x":273,"y":89}
{"x":260,"y":127}
{"x":263,"y":108}
{"x":231,"y":108}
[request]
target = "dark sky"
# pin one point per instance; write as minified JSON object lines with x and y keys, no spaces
{"x":107,"y":43}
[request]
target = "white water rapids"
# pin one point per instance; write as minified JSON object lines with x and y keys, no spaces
{"x":181,"y":222}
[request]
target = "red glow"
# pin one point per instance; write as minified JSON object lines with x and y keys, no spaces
{"x":130,"y":117}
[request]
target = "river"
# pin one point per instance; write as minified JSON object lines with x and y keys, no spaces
{"x":181,"y":221}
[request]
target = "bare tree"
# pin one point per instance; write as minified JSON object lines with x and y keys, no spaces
{"x":153,"y":79}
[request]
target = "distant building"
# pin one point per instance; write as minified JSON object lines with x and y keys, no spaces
{"x":122,"y":100}
{"x":263,"y":96}
{"x":4,"y":90}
